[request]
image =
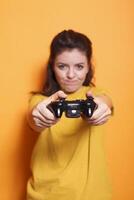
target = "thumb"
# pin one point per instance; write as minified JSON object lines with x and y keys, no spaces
{"x":89,"y":94}
{"x":58,"y":95}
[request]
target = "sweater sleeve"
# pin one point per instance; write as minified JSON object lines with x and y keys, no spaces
{"x":35,"y":99}
{"x":99,"y":91}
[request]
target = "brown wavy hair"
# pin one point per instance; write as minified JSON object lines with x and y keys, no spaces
{"x":67,"y":40}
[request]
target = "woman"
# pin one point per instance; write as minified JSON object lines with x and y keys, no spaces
{"x":68,"y":161}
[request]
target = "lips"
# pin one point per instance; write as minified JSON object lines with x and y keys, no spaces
{"x":70,"y":82}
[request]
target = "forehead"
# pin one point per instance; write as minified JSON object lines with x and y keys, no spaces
{"x":74,"y":55}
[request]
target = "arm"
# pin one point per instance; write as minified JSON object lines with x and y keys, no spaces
{"x":104,"y":110}
{"x":106,"y":99}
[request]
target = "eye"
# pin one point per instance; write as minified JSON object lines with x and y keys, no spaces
{"x":79,"y":67}
{"x":61,"y":66}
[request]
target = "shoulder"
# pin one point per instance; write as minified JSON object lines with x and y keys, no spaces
{"x":96,"y":90}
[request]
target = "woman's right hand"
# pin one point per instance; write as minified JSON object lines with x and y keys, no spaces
{"x":41,"y":117}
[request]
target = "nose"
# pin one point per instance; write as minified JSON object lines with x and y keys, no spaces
{"x":70,"y":73}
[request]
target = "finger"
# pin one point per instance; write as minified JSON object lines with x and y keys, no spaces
{"x":47,"y":115}
{"x":101,"y":110}
{"x":40,"y":125}
{"x":105,"y":118}
{"x":44,"y":119}
{"x":56,"y":96}
{"x":99,"y":122}
{"x":47,"y":123}
{"x":44,"y":112}
{"x":37,"y":113}
{"x":105,"y":114}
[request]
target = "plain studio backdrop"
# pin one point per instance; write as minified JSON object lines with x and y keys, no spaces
{"x":27,"y":28}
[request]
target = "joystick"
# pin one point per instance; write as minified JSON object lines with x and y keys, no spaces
{"x":73,"y":109}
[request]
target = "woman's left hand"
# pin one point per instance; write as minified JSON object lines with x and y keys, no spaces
{"x":102,"y":114}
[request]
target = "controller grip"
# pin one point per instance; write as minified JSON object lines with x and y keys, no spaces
{"x":55,"y":110}
{"x":89,"y":110}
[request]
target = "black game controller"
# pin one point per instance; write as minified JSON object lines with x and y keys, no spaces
{"x":73,"y":109}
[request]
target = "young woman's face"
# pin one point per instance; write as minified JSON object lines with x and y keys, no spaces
{"x":71,"y":68}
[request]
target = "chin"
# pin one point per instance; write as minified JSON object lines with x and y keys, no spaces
{"x":70,"y":90}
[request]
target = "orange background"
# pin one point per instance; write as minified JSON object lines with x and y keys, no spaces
{"x":27,"y":28}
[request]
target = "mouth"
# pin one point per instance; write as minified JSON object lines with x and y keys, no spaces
{"x":70,"y":86}
{"x":71,"y":82}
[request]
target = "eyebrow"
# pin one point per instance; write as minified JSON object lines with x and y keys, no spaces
{"x":67,"y":64}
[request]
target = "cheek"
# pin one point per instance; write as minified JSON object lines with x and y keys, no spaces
{"x":59,"y":75}
{"x":82,"y":75}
